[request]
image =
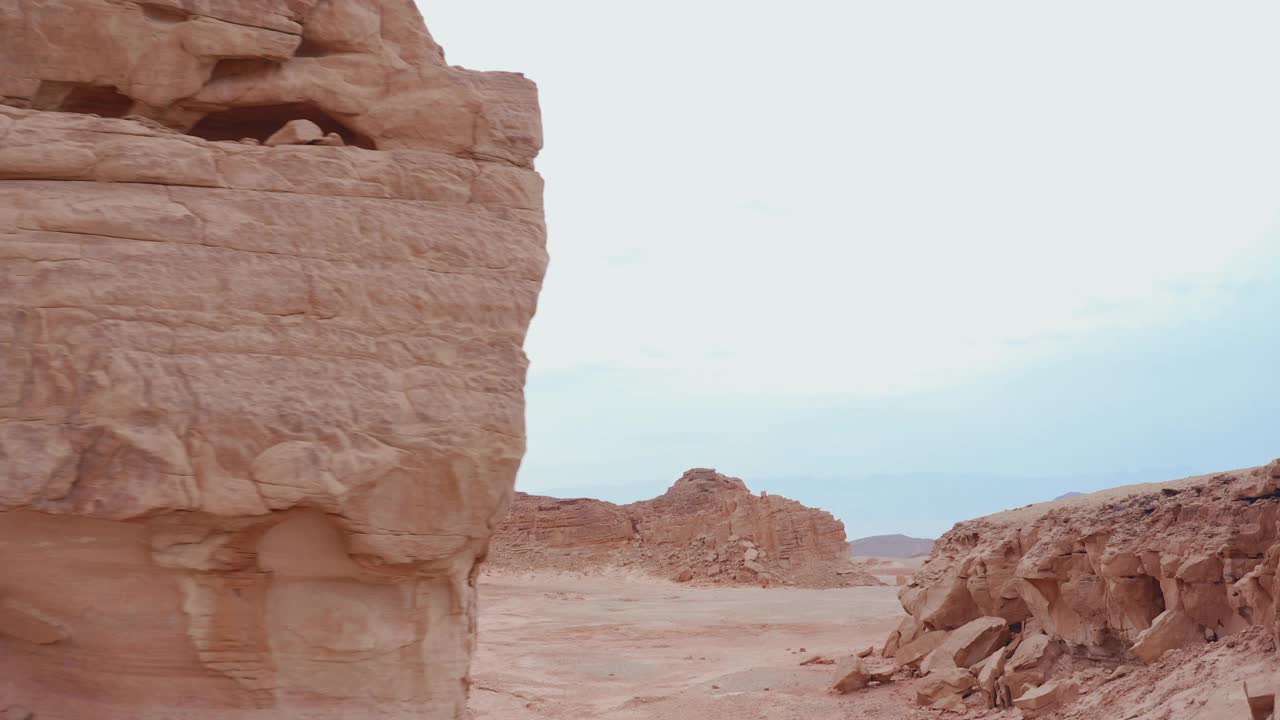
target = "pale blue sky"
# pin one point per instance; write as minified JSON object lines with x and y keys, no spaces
{"x":912,"y":262}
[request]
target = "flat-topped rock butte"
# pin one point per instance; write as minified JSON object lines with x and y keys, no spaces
{"x":263,"y":402}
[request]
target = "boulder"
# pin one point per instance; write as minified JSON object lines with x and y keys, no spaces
{"x":945,"y":605}
{"x":1047,"y":698}
{"x":296,"y":132}
{"x":908,"y":630}
{"x":1171,"y":629}
{"x":856,"y":678}
{"x":944,"y":687}
{"x":914,"y":652}
{"x":968,"y":644}
{"x":989,"y":674}
{"x":856,"y":675}
{"x":1031,"y":663}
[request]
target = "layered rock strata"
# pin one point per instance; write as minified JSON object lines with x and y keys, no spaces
{"x":1122,"y":576}
{"x":263,"y":404}
{"x":706,"y":527}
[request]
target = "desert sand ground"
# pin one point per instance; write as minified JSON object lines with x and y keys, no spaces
{"x":640,"y":649}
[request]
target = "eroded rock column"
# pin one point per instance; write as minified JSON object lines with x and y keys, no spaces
{"x":262,"y":405}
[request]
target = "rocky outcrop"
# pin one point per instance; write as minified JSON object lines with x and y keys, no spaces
{"x":706,"y":527}
{"x":1092,"y":581}
{"x":264,"y":403}
{"x":536,"y":521}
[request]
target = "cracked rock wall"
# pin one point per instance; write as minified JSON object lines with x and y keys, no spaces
{"x":262,"y":406}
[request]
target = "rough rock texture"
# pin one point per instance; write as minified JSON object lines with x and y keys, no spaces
{"x":263,"y":405}
{"x":706,"y":527}
{"x":1126,"y":575}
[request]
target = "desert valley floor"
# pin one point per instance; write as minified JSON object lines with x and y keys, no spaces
{"x":640,"y":649}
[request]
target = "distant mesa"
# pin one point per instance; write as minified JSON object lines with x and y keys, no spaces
{"x":1071,"y":494}
{"x":891,"y":546}
{"x":708,"y":528}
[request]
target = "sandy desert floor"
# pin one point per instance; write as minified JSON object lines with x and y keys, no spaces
{"x":630,"y":649}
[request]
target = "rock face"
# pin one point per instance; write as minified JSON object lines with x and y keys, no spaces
{"x":263,"y":405}
{"x":1123,"y":575}
{"x":707,"y":527}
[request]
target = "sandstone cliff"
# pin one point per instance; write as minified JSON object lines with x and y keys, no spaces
{"x":706,"y":527}
{"x":1089,"y":583}
{"x":263,"y":399}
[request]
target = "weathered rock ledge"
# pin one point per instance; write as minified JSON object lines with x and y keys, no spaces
{"x":1077,"y":588}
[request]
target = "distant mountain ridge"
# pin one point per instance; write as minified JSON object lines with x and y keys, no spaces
{"x":1071,"y":494}
{"x":892,"y":546}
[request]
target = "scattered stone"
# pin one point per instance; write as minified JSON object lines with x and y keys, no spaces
{"x":684,"y":575}
{"x":866,"y":652}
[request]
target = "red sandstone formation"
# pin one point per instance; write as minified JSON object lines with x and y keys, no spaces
{"x":267,"y":271}
{"x":706,"y":527}
{"x":1083,"y":586}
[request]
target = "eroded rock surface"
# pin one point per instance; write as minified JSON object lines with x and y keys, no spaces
{"x":262,"y":405}
{"x":706,"y":527}
{"x":1090,"y":582}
